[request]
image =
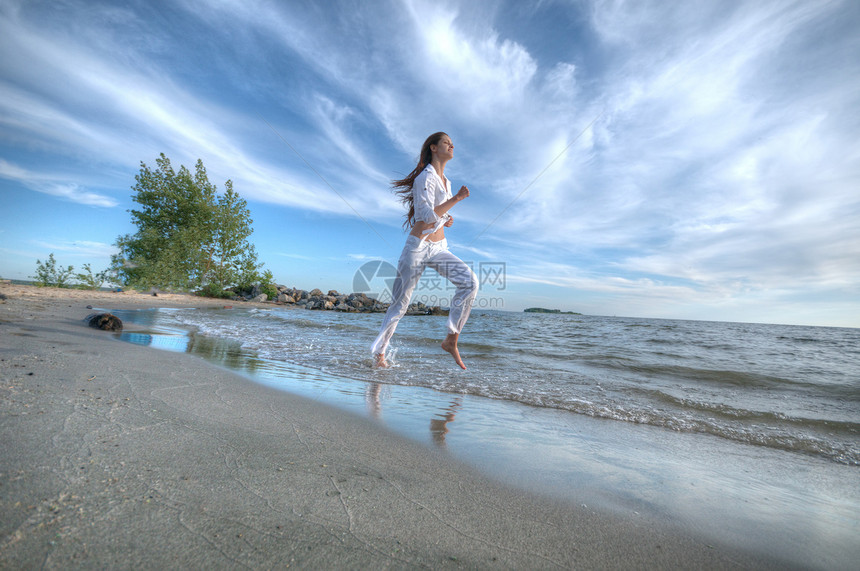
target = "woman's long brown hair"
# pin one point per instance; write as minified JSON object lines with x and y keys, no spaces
{"x":403,"y":187}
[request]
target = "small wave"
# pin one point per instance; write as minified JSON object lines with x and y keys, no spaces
{"x":799,"y":339}
{"x":764,"y":434}
{"x":719,"y":377}
{"x":658,"y":341}
{"x":771,"y":419}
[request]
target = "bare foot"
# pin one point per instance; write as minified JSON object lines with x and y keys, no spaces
{"x":450,"y":345}
{"x":380,"y":360}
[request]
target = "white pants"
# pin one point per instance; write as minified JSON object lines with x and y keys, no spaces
{"x":416,"y":257}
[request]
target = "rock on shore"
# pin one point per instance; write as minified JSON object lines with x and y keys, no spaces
{"x":351,"y":303}
{"x":105,"y":321}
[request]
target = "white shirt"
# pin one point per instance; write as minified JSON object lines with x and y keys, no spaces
{"x":428,"y":192}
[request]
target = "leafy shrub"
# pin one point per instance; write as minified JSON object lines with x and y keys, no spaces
{"x":267,"y":286}
{"x":216,"y":291}
{"x":49,"y":275}
{"x":89,"y":280}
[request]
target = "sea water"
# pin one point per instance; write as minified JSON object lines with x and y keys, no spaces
{"x":754,"y":426}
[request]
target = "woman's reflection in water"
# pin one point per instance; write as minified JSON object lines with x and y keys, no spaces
{"x":439,"y":425}
{"x":371,"y":399}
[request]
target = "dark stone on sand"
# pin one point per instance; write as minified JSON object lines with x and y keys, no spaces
{"x":105,"y":321}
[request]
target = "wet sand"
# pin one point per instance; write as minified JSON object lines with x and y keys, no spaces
{"x":121,"y":456}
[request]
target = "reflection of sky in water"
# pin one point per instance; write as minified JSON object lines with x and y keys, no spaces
{"x":805,"y":508}
{"x":157,"y":334}
{"x":169,"y":342}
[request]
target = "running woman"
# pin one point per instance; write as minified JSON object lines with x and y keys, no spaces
{"x":427,"y":193}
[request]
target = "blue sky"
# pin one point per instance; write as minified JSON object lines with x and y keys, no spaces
{"x":693,"y":160}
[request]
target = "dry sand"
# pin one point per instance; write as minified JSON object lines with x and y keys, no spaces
{"x":121,"y":456}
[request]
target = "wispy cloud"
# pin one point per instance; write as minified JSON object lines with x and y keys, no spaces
{"x":295,"y":256}
{"x":48,"y":184}
{"x":81,"y":248}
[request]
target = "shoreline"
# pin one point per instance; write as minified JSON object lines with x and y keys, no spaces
{"x":121,"y":456}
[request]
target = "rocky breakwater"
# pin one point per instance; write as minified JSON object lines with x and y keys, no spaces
{"x":352,"y":303}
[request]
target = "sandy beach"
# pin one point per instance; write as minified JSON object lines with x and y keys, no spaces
{"x":120,"y":456}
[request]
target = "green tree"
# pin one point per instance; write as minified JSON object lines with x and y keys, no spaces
{"x":230,"y":260}
{"x":187,"y":235}
{"x":49,"y":275}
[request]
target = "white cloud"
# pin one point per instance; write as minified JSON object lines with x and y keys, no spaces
{"x":79,"y":248}
{"x":484,"y":74}
{"x":295,"y":256}
{"x":75,"y":193}
{"x":47,"y":185}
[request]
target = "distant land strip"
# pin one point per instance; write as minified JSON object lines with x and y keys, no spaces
{"x":544,"y":310}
